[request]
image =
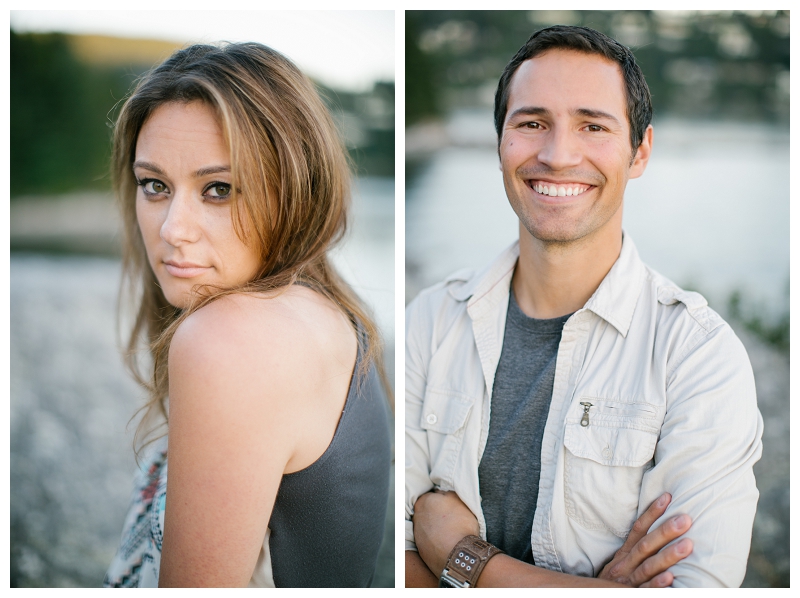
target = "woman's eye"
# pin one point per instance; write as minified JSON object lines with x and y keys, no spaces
{"x":219,"y":190}
{"x":153,"y":187}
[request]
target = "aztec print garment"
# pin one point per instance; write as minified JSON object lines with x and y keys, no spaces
{"x":138,"y":559}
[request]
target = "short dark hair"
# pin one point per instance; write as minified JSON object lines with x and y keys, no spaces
{"x":588,"y":41}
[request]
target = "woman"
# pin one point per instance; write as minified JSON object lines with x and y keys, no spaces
{"x":234,"y":186}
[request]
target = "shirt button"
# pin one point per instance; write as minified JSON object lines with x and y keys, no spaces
{"x":431,"y":419}
{"x":607,"y":453}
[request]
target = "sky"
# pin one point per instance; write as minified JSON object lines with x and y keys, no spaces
{"x":348,"y":50}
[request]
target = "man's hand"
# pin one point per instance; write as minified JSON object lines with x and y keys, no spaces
{"x":440,"y":521}
{"x":642,"y":561}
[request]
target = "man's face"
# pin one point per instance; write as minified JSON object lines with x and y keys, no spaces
{"x":565,"y":150}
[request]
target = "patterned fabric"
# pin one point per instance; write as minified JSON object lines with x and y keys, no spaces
{"x":138,"y":559}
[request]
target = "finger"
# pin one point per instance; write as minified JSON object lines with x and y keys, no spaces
{"x":662,"y":580}
{"x":658,"y":564}
{"x":649,"y":545}
{"x":660,"y":537}
{"x":646,"y":520}
{"x":638,"y":531}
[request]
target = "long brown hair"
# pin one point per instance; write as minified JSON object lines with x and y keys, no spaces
{"x":292,"y":192}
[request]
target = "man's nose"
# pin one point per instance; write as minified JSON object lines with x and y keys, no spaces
{"x":182,"y":224}
{"x":560,"y":149}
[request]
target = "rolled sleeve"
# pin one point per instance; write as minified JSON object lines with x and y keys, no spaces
{"x":417,"y":470}
{"x":710,"y":440}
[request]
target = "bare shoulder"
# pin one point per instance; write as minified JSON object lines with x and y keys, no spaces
{"x":282,"y":362}
{"x":282,"y":334}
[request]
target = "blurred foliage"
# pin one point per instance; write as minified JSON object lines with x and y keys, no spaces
{"x":366,"y":123}
{"x":775,"y":331}
{"x":60,"y":132}
{"x":62,"y":108}
{"x":421,"y":98}
{"x":717,"y":64}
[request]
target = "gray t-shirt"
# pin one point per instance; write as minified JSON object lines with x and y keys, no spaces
{"x":511,"y":463}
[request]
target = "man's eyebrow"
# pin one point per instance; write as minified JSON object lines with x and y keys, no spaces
{"x":529,"y":111}
{"x":200,"y":173}
{"x":591,"y":113}
{"x":539,"y":111}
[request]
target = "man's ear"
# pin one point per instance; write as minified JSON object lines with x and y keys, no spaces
{"x":642,"y":154}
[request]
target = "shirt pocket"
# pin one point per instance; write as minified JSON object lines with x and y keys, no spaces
{"x":605,"y":461}
{"x":444,"y":417}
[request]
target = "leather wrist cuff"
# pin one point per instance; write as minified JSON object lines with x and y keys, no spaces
{"x":466,"y":561}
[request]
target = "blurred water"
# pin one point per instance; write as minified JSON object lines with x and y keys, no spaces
{"x":366,"y":258}
{"x":71,"y":398}
{"x":711,"y":211}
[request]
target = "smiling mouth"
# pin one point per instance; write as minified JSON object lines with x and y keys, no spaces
{"x":558,"y":189}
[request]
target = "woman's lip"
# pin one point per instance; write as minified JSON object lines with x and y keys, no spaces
{"x":185,"y":270}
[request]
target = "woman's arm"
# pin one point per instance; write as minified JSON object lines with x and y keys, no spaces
{"x":441,"y":520}
{"x":253,"y":395}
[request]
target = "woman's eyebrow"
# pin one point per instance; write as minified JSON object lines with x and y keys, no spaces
{"x":148,"y":166}
{"x":211,"y":170}
{"x":199,"y":173}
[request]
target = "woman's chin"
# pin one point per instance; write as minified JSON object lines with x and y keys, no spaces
{"x":179,"y":298}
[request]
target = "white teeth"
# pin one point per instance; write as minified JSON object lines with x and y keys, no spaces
{"x":557,"y":191}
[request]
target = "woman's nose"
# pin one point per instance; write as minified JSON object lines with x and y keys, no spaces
{"x":181,"y":224}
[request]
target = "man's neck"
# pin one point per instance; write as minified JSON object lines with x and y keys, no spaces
{"x":552,"y":280}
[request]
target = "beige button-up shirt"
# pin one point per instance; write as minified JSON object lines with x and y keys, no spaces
{"x":673,"y":408}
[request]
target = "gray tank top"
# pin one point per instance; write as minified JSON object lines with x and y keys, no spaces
{"x":328,"y":519}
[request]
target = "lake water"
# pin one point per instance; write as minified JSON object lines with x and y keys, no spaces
{"x":711,"y":212}
{"x":366,"y":257}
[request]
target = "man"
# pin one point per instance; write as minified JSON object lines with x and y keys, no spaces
{"x":560,"y":391}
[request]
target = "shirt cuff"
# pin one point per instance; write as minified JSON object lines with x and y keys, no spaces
{"x":410,"y":544}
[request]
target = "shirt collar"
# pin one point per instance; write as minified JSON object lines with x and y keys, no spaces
{"x":614,"y":300}
{"x":494,"y":278}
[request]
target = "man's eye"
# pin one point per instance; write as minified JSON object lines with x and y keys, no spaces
{"x":594,"y":128}
{"x":219,"y":190}
{"x":533,"y":125}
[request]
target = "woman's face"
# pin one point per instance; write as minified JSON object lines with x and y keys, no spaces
{"x":184,"y":203}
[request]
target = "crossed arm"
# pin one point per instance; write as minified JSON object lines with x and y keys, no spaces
{"x":441,"y":520}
